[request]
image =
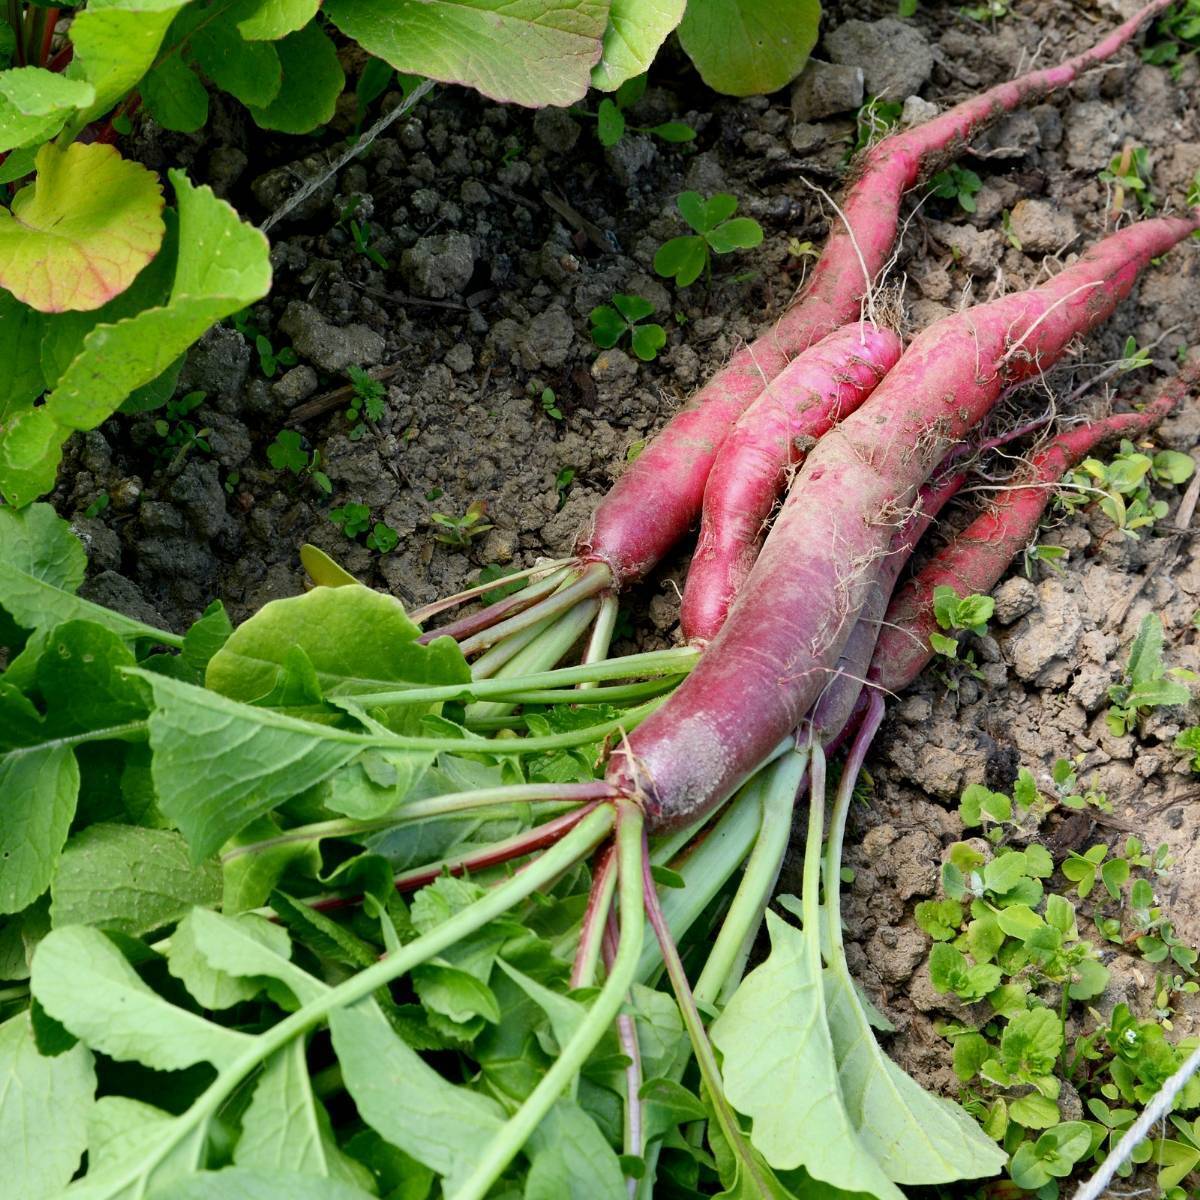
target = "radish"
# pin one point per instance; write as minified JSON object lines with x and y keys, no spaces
{"x":659,"y":497}
{"x":816,"y":390}
{"x":789,"y":625}
{"x":978,"y":557}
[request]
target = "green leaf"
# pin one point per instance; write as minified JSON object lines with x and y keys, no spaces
{"x":1172,"y":467}
{"x":608,"y":327}
{"x":270,"y":20}
{"x":243,"y":1183}
{"x":84,"y":982}
{"x":632,"y":308}
{"x":82,"y":230}
{"x":1005,"y":871}
{"x":648,"y":340}
{"x":357,"y":639}
{"x":404,"y":1100}
{"x":1034,"y":1111}
{"x":610,"y":123}
{"x":129,"y":880}
{"x":941,"y":644}
{"x":222,"y":267}
{"x":681,"y":257}
{"x":1031,"y":1042}
{"x":533,"y":53}
{"x":570,"y":1159}
{"x":35,"y":104}
{"x":116,"y":41}
{"x":779,"y":1069}
{"x":313,"y":80}
{"x":44,"y":1104}
{"x":322,"y":933}
{"x":286,"y":1128}
{"x":741,"y":233}
{"x":209,"y":985}
{"x":940,"y":919}
{"x":749,"y":47}
{"x":21,"y":329}
{"x":1145,"y":658}
{"x":1090,"y":979}
{"x":1114,"y":874}
{"x":635,"y":32}
{"x":174,"y":95}
{"x":249,"y":71}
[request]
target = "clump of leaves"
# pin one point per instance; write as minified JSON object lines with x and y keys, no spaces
{"x":368,"y":402}
{"x":993,"y":10}
{"x":717,"y":231}
{"x":289,"y":453}
{"x":957,"y":183}
{"x":549,"y":402}
{"x":874,"y":120}
{"x":461,"y":531}
{"x":355,"y":519}
{"x":180,"y":435}
{"x":612,"y":124}
{"x":1175,"y":38}
{"x":1145,"y":684}
{"x":955,"y":613}
{"x":612,"y":322}
{"x":1129,"y":172}
{"x":1122,"y":487}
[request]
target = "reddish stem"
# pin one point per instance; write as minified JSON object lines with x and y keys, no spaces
{"x":599,"y":906}
{"x":48,"y":35}
{"x":65,"y":53}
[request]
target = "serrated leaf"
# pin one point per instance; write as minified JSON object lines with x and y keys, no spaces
{"x":84,"y":982}
{"x":749,"y":47}
{"x":636,"y":30}
{"x":403,"y":1099}
{"x":44,"y":1105}
{"x":532,"y":52}
{"x":129,"y":880}
{"x":312,"y":81}
{"x":223,"y":266}
{"x":82,"y":230}
{"x":779,"y":1069}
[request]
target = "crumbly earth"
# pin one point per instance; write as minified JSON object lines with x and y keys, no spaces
{"x":496,"y":231}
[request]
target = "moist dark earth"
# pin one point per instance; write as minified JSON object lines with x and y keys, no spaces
{"x":497,"y":230}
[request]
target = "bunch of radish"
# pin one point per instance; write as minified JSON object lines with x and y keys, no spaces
{"x":797,"y":634}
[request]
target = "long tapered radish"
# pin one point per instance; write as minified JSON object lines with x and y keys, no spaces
{"x":978,"y":557}
{"x":788,"y":627}
{"x":820,"y":387}
{"x":658,"y":498}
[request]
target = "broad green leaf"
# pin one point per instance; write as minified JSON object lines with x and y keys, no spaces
{"x":1145,"y":658}
{"x":20,"y":337}
{"x":681,"y":257}
{"x":312,"y":81}
{"x":531,"y":52}
{"x":219,"y":764}
{"x":248,"y":71}
{"x":570,"y":1159}
{"x":636,"y":30}
{"x":405,"y":1100}
{"x":249,"y":877}
{"x":82,"y":230}
{"x":241,"y":948}
{"x":174,"y":95}
{"x":322,"y":934}
{"x":269,"y":20}
{"x":41,"y":564}
{"x":84,"y":982}
{"x":129,"y":880}
{"x":779,"y":1069}
{"x":287,"y":1129}
{"x":242,"y":1183}
{"x":222,"y":267}
{"x":915,"y":1137}
{"x":1031,"y":1042}
{"x":749,"y":47}
{"x":35,"y":104}
{"x":119,"y":1126}
{"x":322,"y":569}
{"x":358,"y":640}
{"x":44,"y":1105}
{"x":115,"y":43}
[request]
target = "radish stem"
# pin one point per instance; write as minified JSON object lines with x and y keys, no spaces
{"x":595,"y":920}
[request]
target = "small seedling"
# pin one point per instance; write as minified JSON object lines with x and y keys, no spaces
{"x":1133,"y":356}
{"x":1129,"y":171}
{"x":461,"y":531}
{"x":382,"y":538}
{"x":270,"y":360}
{"x":1009,"y":235}
{"x":179,"y":435}
{"x":368,"y":402}
{"x":612,"y":125}
{"x":494,"y":571}
{"x":97,"y":506}
{"x":993,"y":10}
{"x":360,"y":232}
{"x":287,"y":453}
{"x":1193,"y":196}
{"x":875,"y":119}
{"x":1052,"y":556}
{"x":1175,"y":38}
{"x":611,"y":322}
{"x":798,"y":249}
{"x":954,"y":612}
{"x":1145,"y":684}
{"x":231,"y":482}
{"x":550,"y":404}
{"x":957,"y":183}
{"x":562,"y":484}
{"x":907,"y":8}
{"x":352,"y":519}
{"x":718,"y":231}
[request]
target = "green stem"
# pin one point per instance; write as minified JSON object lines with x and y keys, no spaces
{"x":123,"y":732}
{"x":810,"y":894}
{"x":656,"y":663}
{"x":602,"y":633}
{"x":726,"y":961}
{"x":419,"y":616}
{"x":493,"y":663}
{"x":501,"y":1150}
{"x":579,"y":842}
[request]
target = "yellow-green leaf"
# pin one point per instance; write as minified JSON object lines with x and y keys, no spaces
{"x":636,"y":30}
{"x":35,"y":104}
{"x":82,"y":230}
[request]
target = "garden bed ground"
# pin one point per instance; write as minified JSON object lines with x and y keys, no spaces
{"x":501,"y":229}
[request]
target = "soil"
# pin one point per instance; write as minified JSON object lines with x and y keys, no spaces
{"x":497,"y":231}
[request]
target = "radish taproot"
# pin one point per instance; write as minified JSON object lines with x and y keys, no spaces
{"x":787,"y":629}
{"x":820,"y":387}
